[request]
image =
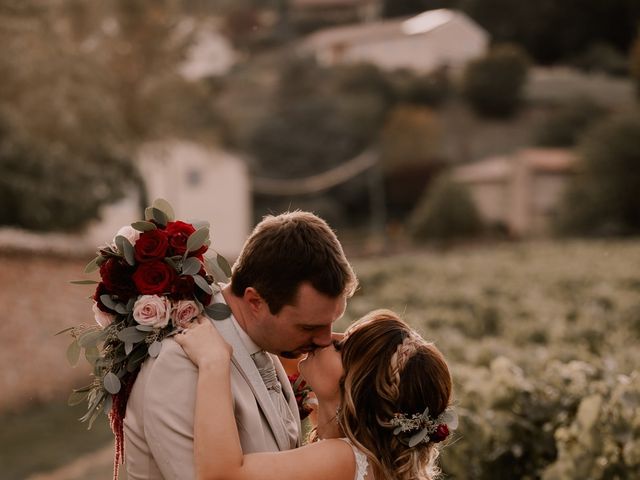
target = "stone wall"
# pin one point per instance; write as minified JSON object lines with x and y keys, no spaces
{"x":36,"y":301}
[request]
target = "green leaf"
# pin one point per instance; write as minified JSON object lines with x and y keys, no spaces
{"x":154,"y":349}
{"x":191,"y":266}
{"x":137,"y":357}
{"x":73,"y":353}
{"x":76,"y":398}
{"x":172,"y":263}
{"x":92,"y":354}
{"x":165,"y":207}
{"x":108,"y":302}
{"x":128,"y":348}
{"x":121,"y":308}
{"x":215,"y":270}
{"x":83,"y":282}
{"x":197,"y":239}
{"x":131,"y":335}
{"x":144,"y":226}
{"x":202,"y":284}
{"x":144,"y":328}
{"x":111,"y":383}
{"x":224,"y":265}
{"x":90,"y":338}
{"x":126,"y":249}
{"x":198,"y":224}
{"x":218,"y":311}
{"x":93,"y":265}
{"x":108,"y":404}
{"x":159,"y":216}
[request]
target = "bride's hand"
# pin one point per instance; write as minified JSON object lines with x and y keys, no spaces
{"x":203,"y":344}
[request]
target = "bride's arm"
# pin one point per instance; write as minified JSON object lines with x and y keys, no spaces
{"x":217,"y":448}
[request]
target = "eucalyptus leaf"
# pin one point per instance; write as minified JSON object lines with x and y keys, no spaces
{"x":418,"y":437}
{"x":121,"y":308}
{"x":197,"y":239}
{"x":165,"y":207}
{"x":108,"y":302}
{"x":92,"y":354}
{"x":191,"y":266}
{"x":83,"y":282}
{"x":173,"y":264}
{"x":218,"y":311}
{"x":202,"y":284}
{"x":73,"y":353}
{"x":144,"y":226}
{"x":76,"y":398}
{"x":224,"y":265}
{"x":131,"y":335}
{"x":126,"y":249}
{"x":90,"y":338}
{"x":93,"y":265}
{"x":137,"y":357}
{"x":154,"y":349}
{"x":111,"y":383}
{"x":128,"y":348}
{"x":215,"y":270}
{"x":144,"y":328}
{"x":197,"y":224}
{"x":159,"y":216}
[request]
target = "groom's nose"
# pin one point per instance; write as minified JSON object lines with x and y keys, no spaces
{"x":323,"y":338}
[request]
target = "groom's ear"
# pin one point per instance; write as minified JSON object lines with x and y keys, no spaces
{"x":253,"y":299}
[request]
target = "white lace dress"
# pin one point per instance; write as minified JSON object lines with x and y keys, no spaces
{"x":362,"y":464}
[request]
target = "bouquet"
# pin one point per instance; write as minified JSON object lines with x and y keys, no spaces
{"x":154,"y":280}
{"x":305,"y":399}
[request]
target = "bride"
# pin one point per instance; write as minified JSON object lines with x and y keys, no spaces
{"x":383,"y":393}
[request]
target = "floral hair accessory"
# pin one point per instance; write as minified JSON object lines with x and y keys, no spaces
{"x":154,"y":280}
{"x":421,"y":428}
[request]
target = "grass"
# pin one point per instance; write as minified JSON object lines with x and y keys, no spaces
{"x":46,"y":437}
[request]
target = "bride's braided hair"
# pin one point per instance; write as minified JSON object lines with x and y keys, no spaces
{"x":390,"y":369}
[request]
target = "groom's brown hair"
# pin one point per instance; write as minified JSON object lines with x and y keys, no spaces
{"x":285,"y":250}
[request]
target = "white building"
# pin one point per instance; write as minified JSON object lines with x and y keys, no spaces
{"x":201,"y":183}
{"x":521,"y":191}
{"x":424,"y":43}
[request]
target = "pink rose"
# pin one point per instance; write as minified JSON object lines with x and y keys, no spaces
{"x":152,"y":310}
{"x":129,"y":233}
{"x":183,"y":312}
{"x":103,"y":319}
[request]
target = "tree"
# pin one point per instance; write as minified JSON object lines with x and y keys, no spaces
{"x":603,"y":199}
{"x":493,"y":84}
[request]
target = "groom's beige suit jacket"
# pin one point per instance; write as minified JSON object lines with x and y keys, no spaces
{"x":159,"y":421}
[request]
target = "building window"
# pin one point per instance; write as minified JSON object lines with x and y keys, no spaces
{"x":194,"y":177}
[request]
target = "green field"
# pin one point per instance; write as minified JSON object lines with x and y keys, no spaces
{"x":542,"y":342}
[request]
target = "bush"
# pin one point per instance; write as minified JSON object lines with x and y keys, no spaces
{"x":567,"y":123}
{"x":445,"y":212}
{"x":603,"y":198}
{"x":431,"y":90}
{"x":493,"y":85}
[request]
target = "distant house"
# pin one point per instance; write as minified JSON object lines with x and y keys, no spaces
{"x":201,"y":183}
{"x":522,"y":191}
{"x":424,"y":43}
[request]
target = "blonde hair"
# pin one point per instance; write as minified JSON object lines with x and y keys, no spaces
{"x":390,"y":369}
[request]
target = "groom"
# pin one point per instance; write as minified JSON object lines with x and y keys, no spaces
{"x":289,"y":285}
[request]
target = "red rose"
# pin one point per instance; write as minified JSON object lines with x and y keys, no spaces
{"x":152,"y":245}
{"x":101,"y":289}
{"x":116,"y":275}
{"x":183,"y":288}
{"x":442,"y":432}
{"x":154,"y":277}
{"x":178,"y":233}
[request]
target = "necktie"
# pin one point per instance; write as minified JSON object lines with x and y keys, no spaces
{"x":270,"y":378}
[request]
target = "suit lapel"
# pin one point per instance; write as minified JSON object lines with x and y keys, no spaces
{"x":247,"y":368}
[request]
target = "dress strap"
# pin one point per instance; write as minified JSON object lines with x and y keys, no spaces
{"x":362,"y":463}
